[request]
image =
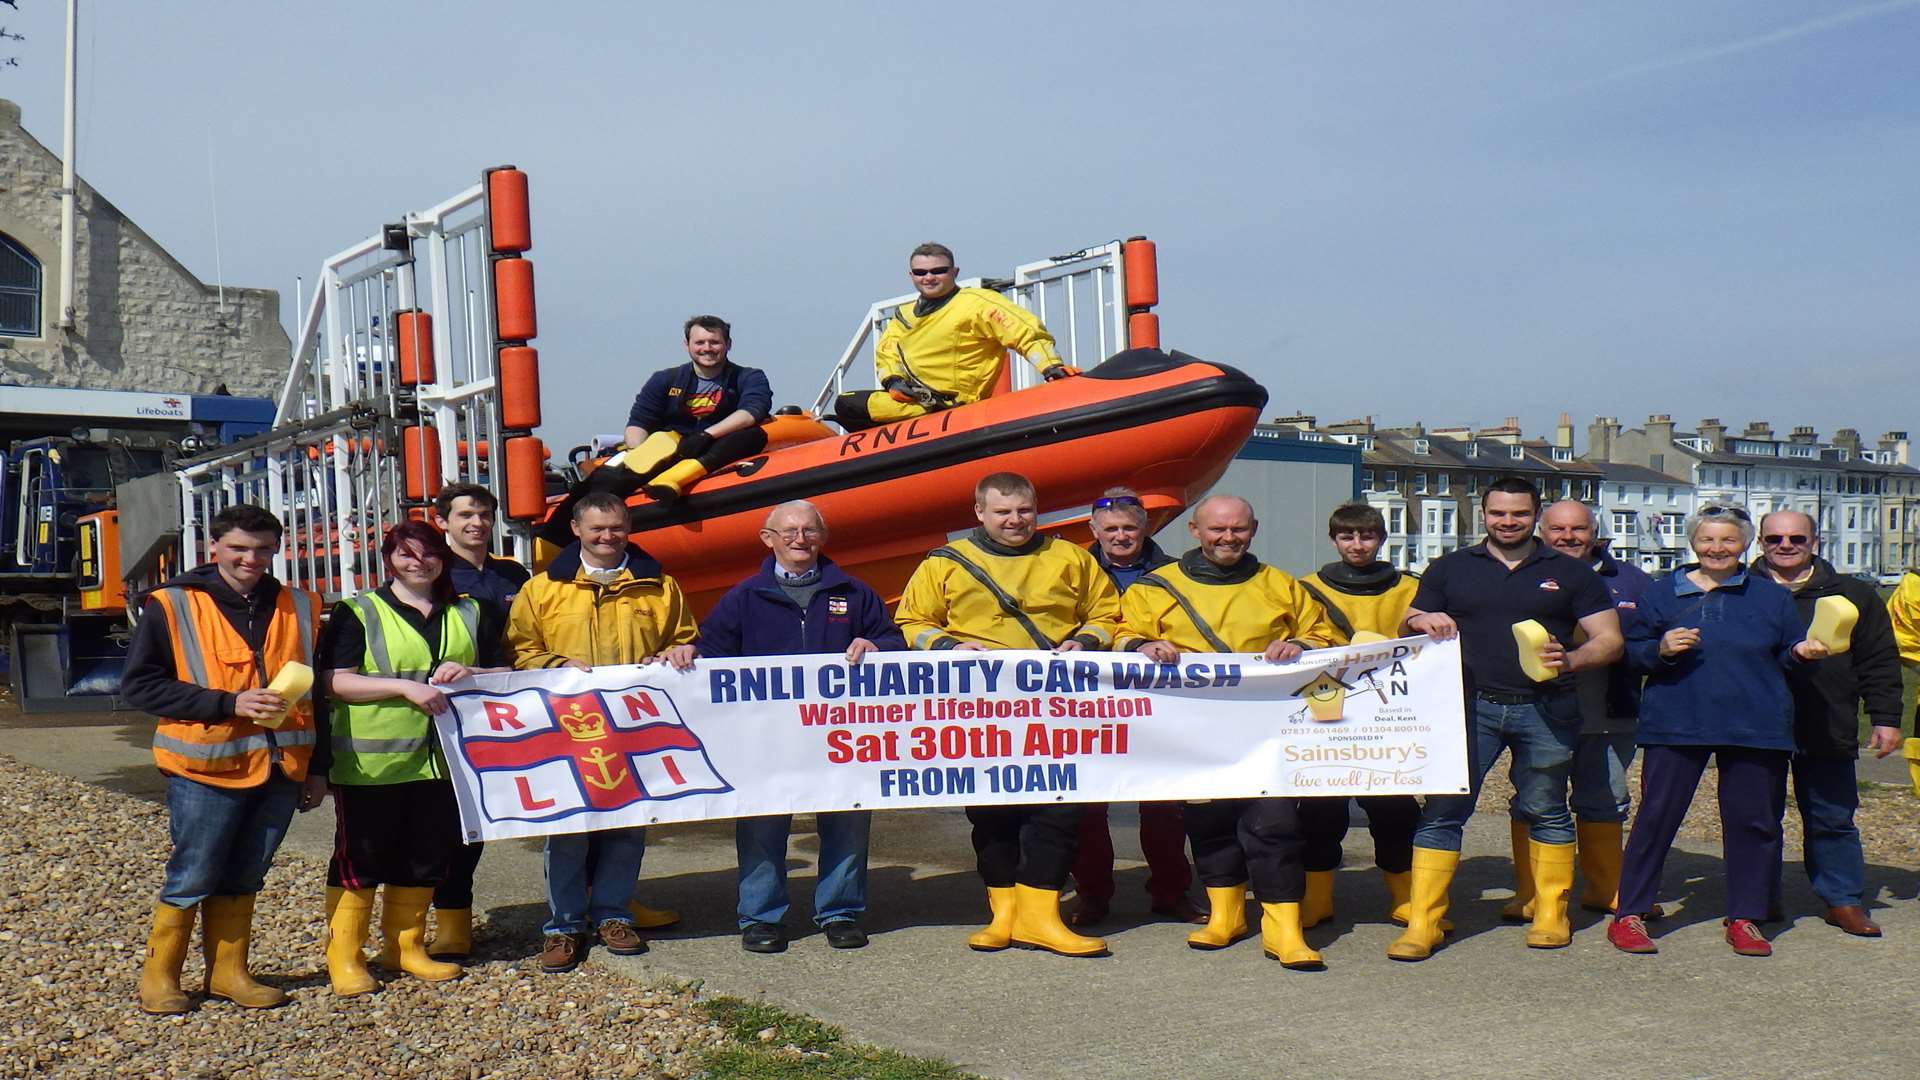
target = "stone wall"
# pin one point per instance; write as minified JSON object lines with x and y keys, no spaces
{"x":142,"y":321}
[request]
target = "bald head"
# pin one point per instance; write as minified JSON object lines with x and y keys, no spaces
{"x":1214,"y":505}
{"x":1568,"y":527}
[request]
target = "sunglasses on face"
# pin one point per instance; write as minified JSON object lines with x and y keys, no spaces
{"x":1116,"y":500}
{"x":1709,"y":511}
{"x":1797,"y":540}
{"x":931,"y":271}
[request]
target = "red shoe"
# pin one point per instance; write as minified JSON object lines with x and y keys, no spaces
{"x":1746,"y":938}
{"x":1629,"y":934}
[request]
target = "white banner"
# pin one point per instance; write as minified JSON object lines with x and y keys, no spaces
{"x":562,"y":751}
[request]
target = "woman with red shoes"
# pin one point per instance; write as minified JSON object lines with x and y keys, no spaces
{"x":1715,"y":643}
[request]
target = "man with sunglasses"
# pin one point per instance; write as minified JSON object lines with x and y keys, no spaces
{"x":1828,"y":696}
{"x":946,"y":349}
{"x":800,"y":602}
{"x":1124,"y":550}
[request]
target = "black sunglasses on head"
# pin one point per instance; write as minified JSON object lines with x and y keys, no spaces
{"x":1117,"y":500}
{"x":1709,"y":511}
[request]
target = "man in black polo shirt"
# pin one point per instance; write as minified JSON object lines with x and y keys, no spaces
{"x":1479,"y":593}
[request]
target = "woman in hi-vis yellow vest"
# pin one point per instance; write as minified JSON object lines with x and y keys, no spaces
{"x":386,"y":655}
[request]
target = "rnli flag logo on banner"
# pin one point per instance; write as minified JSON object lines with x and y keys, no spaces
{"x":541,"y":755}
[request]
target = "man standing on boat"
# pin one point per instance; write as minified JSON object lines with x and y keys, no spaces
{"x":690,"y":420}
{"x":947,"y":348}
{"x":1004,"y":587}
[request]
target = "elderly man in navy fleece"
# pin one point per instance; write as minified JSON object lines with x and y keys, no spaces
{"x":1715,"y":643}
{"x":800,"y":602}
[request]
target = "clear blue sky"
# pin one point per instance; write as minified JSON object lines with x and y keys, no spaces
{"x":1447,"y":213}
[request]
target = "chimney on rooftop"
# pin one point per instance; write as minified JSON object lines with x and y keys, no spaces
{"x":1848,"y":439}
{"x":1759,"y":429}
{"x":1601,"y":435}
{"x":1803,"y":435}
{"x":1563,"y":432}
{"x":1714,"y":433}
{"x":1895,"y":442}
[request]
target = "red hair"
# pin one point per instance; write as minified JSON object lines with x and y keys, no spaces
{"x":432,"y":542}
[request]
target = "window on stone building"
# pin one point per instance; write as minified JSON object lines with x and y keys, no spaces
{"x":19,"y":289}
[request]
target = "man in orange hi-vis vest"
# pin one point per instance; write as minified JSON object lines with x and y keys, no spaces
{"x":236,"y":753}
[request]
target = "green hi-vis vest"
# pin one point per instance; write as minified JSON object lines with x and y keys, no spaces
{"x":391,"y":741}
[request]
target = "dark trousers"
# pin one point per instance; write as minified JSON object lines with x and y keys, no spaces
{"x":455,"y":892}
{"x":1025,"y":845}
{"x":1749,"y":822}
{"x":392,"y":834}
{"x":1163,"y":839}
{"x":1249,"y":840}
{"x":725,"y":450}
{"x":1390,"y":818}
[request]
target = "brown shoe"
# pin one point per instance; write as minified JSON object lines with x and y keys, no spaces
{"x":621,"y":939}
{"x":1181,"y":910}
{"x":1088,"y":911}
{"x":1853,"y":919}
{"x":562,"y":952}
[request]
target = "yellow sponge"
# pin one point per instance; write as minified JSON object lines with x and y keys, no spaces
{"x":1833,"y":619}
{"x":1531,"y":637}
{"x":292,"y":683}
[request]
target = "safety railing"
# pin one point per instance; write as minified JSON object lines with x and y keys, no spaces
{"x":1081,"y":296}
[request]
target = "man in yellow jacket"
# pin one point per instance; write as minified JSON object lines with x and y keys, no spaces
{"x":1003,"y":587}
{"x":947,"y":349}
{"x":602,"y":601}
{"x":1220,"y":598}
{"x":1361,"y":595}
{"x":1903,"y":607}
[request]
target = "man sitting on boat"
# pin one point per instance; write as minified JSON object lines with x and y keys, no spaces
{"x":690,"y":420}
{"x":947,"y":349}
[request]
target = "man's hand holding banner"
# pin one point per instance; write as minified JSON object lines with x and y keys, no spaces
{"x":563,"y":750}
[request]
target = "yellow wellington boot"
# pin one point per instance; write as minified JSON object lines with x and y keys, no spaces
{"x":1037,"y":924}
{"x":452,"y":934}
{"x":349,"y":917}
{"x":166,"y":951}
{"x":1553,"y":880}
{"x":1427,"y":906}
{"x":997,"y":934}
{"x":1317,"y":906}
{"x":1400,"y":891}
{"x":1910,"y":749}
{"x":1599,"y":851}
{"x":646,"y":918}
{"x":1520,"y":908}
{"x":1226,"y":918}
{"x":674,"y":482}
{"x":1280,"y":935}
{"x":226,"y":926}
{"x":403,"y":923}
{"x":651,"y":455}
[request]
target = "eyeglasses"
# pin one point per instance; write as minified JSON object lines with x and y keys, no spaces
{"x":810,"y":532}
{"x":1709,"y":511}
{"x":1797,"y":540}
{"x":930,"y":271}
{"x":1112,"y":501}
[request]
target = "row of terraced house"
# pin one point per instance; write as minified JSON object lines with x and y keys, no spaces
{"x":1642,"y":483}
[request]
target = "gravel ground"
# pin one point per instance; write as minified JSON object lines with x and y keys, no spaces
{"x":1889,"y":816}
{"x":75,"y":906}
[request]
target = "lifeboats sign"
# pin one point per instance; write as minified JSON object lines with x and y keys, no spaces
{"x":560,"y":751}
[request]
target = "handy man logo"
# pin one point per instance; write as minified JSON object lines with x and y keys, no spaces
{"x":541,"y":755}
{"x":1326,"y":696}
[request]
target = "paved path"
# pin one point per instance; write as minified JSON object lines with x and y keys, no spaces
{"x":1485,"y":1006}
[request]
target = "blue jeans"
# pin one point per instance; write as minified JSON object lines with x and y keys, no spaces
{"x":224,"y":838}
{"x":1828,"y":795}
{"x":577,"y":903}
{"x":1600,"y":777}
{"x":1541,"y":736}
{"x":840,"y":892}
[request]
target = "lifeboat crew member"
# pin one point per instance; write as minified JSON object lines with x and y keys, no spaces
{"x":1361,"y":595}
{"x":387,"y":654}
{"x":601,"y":601}
{"x":1124,"y":550}
{"x":946,"y":349}
{"x":1219,"y":597}
{"x":801,"y":603}
{"x":210,"y":642}
{"x":1003,"y":587}
{"x":690,"y":420}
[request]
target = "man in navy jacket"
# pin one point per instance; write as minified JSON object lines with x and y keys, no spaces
{"x":800,"y":602}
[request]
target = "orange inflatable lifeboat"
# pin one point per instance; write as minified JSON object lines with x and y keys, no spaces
{"x":1164,"y":424}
